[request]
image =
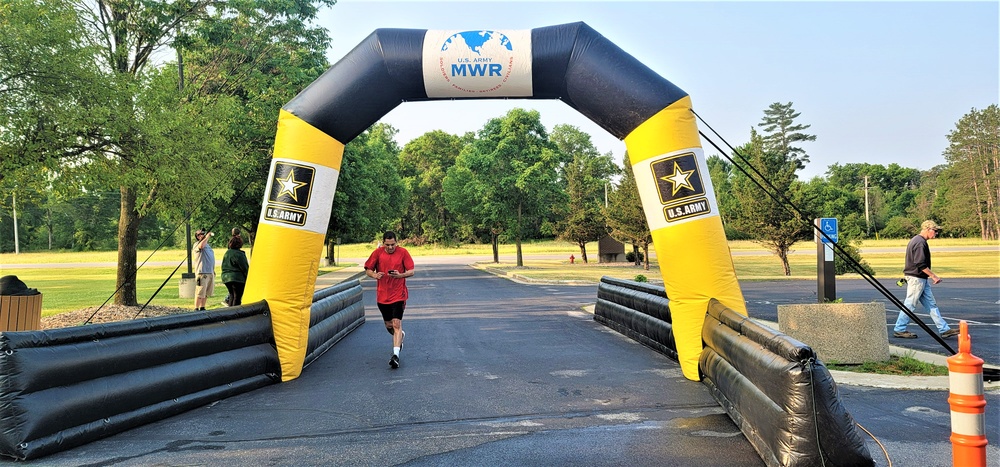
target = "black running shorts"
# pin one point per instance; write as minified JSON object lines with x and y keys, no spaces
{"x":391,"y":311}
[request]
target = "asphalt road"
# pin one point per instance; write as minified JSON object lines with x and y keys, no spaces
{"x":493,"y":373}
{"x":500,"y":373}
{"x":977,"y":301}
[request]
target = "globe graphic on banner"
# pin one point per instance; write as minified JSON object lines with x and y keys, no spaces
{"x":477,"y":41}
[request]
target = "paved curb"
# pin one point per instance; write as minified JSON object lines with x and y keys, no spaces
{"x":876,"y":380}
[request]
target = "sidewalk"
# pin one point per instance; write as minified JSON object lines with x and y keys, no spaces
{"x":875,"y":380}
{"x":341,"y":275}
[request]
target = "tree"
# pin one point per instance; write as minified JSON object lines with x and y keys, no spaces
{"x":261,"y":55}
{"x":928,"y":198}
{"x":105,"y":131}
{"x":505,"y":180}
{"x":974,"y":152}
{"x":625,"y":216}
{"x":823,"y":199}
{"x":890,"y":189}
{"x":370,"y":193}
{"x":768,"y":220}
{"x":842,"y":266}
{"x":781,"y":132}
{"x":721,"y":173}
{"x":160,"y":148}
{"x":585,"y":179}
{"x":476,"y":217}
{"x":958,"y":206}
{"x":48,"y":87}
{"x":423,"y":164}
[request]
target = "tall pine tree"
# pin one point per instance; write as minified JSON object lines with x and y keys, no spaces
{"x":781,"y":133}
{"x":625,"y":216}
{"x":585,"y":176}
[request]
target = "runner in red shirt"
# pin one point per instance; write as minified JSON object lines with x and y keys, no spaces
{"x":390,"y":265}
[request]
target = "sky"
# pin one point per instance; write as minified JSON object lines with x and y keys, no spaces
{"x":879,"y":82}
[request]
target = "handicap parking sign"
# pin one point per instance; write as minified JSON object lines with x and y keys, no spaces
{"x":829,"y":226}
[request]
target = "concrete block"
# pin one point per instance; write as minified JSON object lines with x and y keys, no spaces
{"x":839,"y":332}
{"x":185,"y":288}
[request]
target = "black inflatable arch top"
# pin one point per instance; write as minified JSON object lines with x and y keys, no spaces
{"x":570,"y":62}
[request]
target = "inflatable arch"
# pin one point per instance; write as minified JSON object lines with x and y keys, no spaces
{"x":569,"y":62}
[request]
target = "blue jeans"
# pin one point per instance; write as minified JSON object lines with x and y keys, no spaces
{"x":918,"y":289}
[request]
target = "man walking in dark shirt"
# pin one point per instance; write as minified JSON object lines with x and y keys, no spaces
{"x":919,"y":277}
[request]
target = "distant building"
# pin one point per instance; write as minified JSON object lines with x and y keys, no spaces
{"x":610,"y":250}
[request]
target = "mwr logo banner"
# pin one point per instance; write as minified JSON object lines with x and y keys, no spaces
{"x":479,"y":63}
{"x":299,"y":195}
{"x":675,"y":187}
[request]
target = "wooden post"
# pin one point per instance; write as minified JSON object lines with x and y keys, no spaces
{"x":20,"y":312}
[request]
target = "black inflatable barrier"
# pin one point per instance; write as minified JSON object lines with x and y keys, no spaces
{"x":66,"y":387}
{"x":638,"y":310}
{"x":782,"y":398}
{"x":61,"y":388}
{"x":335,"y":312}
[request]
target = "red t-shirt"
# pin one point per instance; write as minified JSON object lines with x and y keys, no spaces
{"x":390,"y":289}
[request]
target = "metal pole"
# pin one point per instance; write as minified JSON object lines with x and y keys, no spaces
{"x":868,"y":223}
{"x":187,"y":223}
{"x":826,"y":285}
{"x":17,"y":245}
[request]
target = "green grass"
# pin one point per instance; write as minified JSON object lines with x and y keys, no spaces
{"x":897,"y":365}
{"x":762,"y":267}
{"x":947,"y":264}
{"x":68,"y":289}
{"x":43,"y":257}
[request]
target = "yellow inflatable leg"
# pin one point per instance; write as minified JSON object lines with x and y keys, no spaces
{"x":289,"y":241}
{"x":679,"y":202}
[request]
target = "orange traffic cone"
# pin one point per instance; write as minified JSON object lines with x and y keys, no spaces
{"x":968,"y":406}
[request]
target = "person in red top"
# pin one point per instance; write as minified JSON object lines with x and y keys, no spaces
{"x":390,"y":265}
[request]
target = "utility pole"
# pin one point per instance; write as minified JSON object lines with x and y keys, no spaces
{"x":186,"y":288}
{"x":868,"y":223}
{"x":17,"y":246}
{"x":187,"y":223}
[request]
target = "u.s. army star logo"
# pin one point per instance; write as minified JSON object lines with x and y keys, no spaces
{"x":291,"y":185}
{"x":291,"y":189}
{"x":679,"y":184}
{"x":677,"y":178}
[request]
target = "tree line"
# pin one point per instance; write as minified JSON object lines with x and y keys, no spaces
{"x":121,"y":121}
